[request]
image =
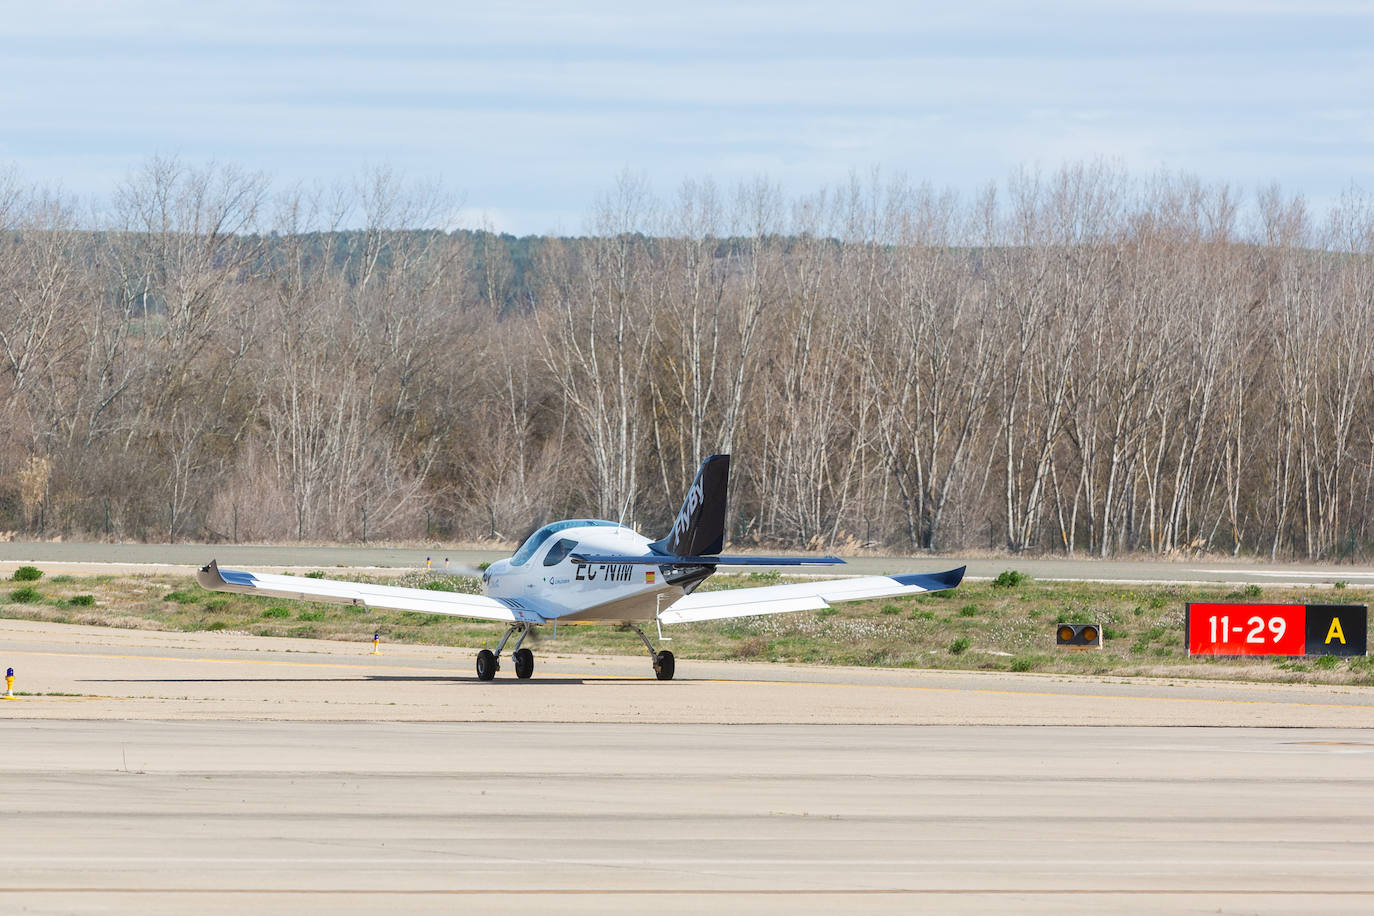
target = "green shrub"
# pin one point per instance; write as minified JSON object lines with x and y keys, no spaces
{"x":59,"y":580}
{"x":182,"y":597}
{"x":276,"y":612}
{"x":1024,"y":663}
{"x":310,"y":615}
{"x":317,"y":574}
{"x":1009,"y":579}
{"x":959,"y":646}
{"x":1339,"y":584}
{"x":218,"y":625}
{"x":25,"y":595}
{"x":28,"y":574}
{"x":891,"y":609}
{"x":1326,"y":662}
{"x":969,"y":610}
{"x":82,"y":600}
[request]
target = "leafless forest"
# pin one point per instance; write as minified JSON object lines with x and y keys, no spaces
{"x":1084,"y":361}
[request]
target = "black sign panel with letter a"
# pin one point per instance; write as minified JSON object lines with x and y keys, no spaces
{"x":1337,"y":629}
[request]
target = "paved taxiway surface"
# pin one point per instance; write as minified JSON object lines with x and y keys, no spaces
{"x":590,"y":817}
{"x":215,"y":772}
{"x":97,"y":672}
{"x":91,"y":559}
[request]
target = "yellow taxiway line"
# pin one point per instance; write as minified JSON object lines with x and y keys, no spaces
{"x":729,"y":681}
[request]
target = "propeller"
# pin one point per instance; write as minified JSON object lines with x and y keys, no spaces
{"x":444,"y":566}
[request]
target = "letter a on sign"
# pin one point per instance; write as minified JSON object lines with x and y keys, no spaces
{"x":1337,"y":629}
{"x":1335,"y":632}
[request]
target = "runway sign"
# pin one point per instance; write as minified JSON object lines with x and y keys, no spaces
{"x":1277,"y":629}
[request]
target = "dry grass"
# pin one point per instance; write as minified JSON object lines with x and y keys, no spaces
{"x":1008,"y":629}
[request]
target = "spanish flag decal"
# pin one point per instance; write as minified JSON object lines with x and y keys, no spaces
{"x":649,"y":577}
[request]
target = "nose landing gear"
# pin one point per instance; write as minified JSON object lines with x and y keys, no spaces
{"x":524,"y":663}
{"x":488,"y":662}
{"x":486,"y":665}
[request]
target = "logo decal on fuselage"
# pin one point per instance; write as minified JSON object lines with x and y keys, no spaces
{"x":604,"y":572}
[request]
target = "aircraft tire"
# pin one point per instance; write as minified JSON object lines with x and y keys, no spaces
{"x":524,"y":663}
{"x":486,"y":665}
{"x":664,"y":665}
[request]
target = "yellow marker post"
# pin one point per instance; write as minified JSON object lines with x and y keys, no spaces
{"x":9,"y":684}
{"x":426,"y":562}
{"x":376,"y":643}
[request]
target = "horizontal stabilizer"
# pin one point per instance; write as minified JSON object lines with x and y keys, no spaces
{"x":664,"y":560}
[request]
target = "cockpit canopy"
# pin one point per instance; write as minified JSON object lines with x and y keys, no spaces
{"x":532,"y":543}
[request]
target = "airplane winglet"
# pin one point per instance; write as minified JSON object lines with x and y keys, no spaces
{"x":208,"y":576}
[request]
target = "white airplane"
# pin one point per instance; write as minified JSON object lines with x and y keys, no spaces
{"x":590,"y":571}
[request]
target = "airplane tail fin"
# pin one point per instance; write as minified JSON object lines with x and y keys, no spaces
{"x":699,"y":529}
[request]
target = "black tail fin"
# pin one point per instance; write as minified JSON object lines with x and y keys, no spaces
{"x":699,"y":529}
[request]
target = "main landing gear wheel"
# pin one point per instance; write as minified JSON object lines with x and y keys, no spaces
{"x":486,"y":665}
{"x":663,"y":665}
{"x":524,"y":663}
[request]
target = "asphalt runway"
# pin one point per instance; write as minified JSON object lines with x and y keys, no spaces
{"x":285,"y":817}
{"x":90,"y":559}
{"x":79,"y":672}
{"x":153,"y":772}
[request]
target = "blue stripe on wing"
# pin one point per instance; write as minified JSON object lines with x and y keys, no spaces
{"x":237,"y":577}
{"x":933,"y":582}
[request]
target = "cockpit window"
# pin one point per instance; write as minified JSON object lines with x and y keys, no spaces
{"x":558,"y":551}
{"x":532,"y":543}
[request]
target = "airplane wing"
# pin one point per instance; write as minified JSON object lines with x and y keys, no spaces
{"x":803,"y":596}
{"x":388,"y":597}
{"x":663,"y":559}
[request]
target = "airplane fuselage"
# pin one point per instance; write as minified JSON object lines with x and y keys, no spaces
{"x":542,"y":572}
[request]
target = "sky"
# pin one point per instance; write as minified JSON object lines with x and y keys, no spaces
{"x":526,"y":112}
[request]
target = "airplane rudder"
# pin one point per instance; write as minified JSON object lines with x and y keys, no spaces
{"x":699,"y":527}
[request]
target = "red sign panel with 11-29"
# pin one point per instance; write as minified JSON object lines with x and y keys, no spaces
{"x":1277,"y":629}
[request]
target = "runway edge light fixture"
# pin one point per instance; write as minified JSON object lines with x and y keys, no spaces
{"x":1078,"y":635}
